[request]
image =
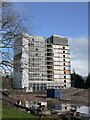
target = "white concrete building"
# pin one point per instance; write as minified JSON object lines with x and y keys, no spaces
{"x":58,"y":60}
{"x":41,"y":63}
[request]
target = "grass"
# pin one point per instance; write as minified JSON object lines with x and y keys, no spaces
{"x":10,"y":111}
{"x":0,"y":109}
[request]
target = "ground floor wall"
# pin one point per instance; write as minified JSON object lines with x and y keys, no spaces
{"x":44,"y":85}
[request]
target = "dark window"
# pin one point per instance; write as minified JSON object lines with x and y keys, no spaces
{"x":64,"y":68}
{"x":45,"y":54}
{"x":20,"y":82}
{"x":64,"y":72}
{"x":36,"y":49}
{"x":36,"y":54}
{"x":63,"y":60}
{"x":64,"y":56}
{"x":65,"y":107}
{"x":63,"y":51}
{"x":32,"y":44}
{"x":64,"y":77}
{"x":29,"y":44}
{"x":63,"y":47}
{"x":33,"y":59}
{"x":32,"y":39}
{"x":65,"y":85}
{"x":64,"y":64}
{"x":64,"y":81}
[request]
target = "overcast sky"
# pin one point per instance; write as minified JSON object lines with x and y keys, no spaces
{"x":66,"y":19}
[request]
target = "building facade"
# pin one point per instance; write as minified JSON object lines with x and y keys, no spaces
{"x":41,"y":63}
{"x":58,"y":60}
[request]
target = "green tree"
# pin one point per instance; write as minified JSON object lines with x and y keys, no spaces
{"x":88,"y":81}
{"x":78,"y":80}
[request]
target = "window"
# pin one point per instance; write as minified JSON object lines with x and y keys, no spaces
{"x":36,"y":54}
{"x":32,"y":39}
{"x":64,"y":68}
{"x":20,"y":82}
{"x":64,"y":64}
{"x":30,"y":44}
{"x":63,"y":60}
{"x":65,"y":85}
{"x":45,"y":54}
{"x":36,"y":49}
{"x":63,"y":47}
{"x":63,"y":51}
{"x":64,"y":77}
{"x":64,"y":56}
{"x":64,"y":72}
{"x":64,"y":81}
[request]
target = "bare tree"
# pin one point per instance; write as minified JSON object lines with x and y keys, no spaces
{"x":12,"y":28}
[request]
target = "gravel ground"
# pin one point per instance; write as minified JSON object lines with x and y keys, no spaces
{"x":74,"y":95}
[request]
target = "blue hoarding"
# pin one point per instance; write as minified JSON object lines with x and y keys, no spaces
{"x":54,"y":93}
